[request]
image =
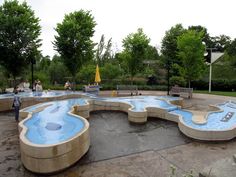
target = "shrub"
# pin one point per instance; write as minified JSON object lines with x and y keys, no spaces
{"x":177,"y":80}
{"x":43,"y":77}
{"x":87,"y":74}
{"x":110,"y":71}
{"x":217,"y":85}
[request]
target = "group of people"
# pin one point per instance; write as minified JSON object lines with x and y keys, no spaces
{"x":23,"y":86}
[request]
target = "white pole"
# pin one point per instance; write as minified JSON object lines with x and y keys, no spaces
{"x":214,"y":57}
{"x":210,"y":79}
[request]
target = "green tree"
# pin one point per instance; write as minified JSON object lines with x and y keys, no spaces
{"x":135,"y":45}
{"x":19,"y":32}
{"x":209,"y":41}
{"x":57,"y":71}
{"x":3,"y":80}
{"x":170,"y":50}
{"x":151,"y":53}
{"x":191,"y":51}
{"x":108,"y":52}
{"x":103,"y":52}
{"x":169,"y":47}
{"x":100,"y":49}
{"x":44,"y":63}
{"x":122,"y":58}
{"x":221,"y":42}
{"x":110,"y":71}
{"x":73,"y":41}
{"x":87,"y":74}
{"x":231,"y":51}
{"x":218,"y":42}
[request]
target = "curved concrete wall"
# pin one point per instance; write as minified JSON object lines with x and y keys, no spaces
{"x":54,"y":157}
{"x":141,"y":117}
{"x":6,"y":103}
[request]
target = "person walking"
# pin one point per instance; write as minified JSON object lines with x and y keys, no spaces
{"x":16,"y":105}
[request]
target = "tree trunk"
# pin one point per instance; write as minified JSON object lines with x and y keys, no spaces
{"x":189,"y":84}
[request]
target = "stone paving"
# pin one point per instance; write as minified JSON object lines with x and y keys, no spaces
{"x":126,"y":150}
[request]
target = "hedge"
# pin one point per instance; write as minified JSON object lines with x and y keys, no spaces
{"x":217,"y":85}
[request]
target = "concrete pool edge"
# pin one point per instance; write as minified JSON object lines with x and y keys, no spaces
{"x":141,"y":117}
{"x":54,"y":157}
{"x":207,"y":135}
{"x":6,"y":103}
{"x":65,"y":156}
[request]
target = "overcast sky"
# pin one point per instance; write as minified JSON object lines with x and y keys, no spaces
{"x":118,"y":18}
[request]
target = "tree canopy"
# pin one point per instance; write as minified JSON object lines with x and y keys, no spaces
{"x":231,"y":51}
{"x":135,"y":45}
{"x":19,"y":32}
{"x":151,"y":53}
{"x":103,"y":52}
{"x":169,"y":47}
{"x":73,"y":40}
{"x":191,"y":51}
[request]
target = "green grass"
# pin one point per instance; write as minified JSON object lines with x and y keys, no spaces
{"x":222,"y":93}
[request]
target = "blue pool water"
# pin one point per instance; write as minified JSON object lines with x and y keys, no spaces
{"x":64,"y":126}
{"x":54,"y":124}
{"x":44,"y":94}
{"x":214,"y":120}
{"x":142,"y":102}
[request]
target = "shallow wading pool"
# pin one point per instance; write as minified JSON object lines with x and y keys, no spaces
{"x":55,"y":134}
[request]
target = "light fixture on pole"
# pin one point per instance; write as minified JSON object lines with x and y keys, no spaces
{"x":211,"y":57}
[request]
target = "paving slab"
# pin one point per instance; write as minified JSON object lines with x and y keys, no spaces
{"x":10,"y":165}
{"x":198,"y":155}
{"x":148,"y":164}
{"x":221,"y":168}
{"x":113,"y":136}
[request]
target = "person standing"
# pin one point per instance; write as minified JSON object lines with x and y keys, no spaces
{"x":26,"y":86}
{"x":39,"y":87}
{"x":16,"y":105}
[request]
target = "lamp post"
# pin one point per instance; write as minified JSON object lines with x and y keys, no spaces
{"x":210,"y":72}
{"x":32,"y":62}
{"x":211,"y":58}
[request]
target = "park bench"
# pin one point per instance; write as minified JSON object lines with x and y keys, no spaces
{"x":127,"y":89}
{"x":181,"y":91}
{"x":91,"y":88}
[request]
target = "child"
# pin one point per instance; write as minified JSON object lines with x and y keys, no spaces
{"x":16,"y":105}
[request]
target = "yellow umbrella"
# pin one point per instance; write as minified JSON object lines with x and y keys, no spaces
{"x":97,"y":76}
